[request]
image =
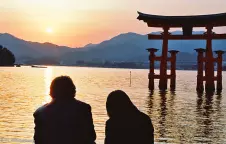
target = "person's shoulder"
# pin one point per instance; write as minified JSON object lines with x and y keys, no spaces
{"x":82,"y":104}
{"x":145,"y":116}
{"x":108,"y":121}
{"x":40,"y":110}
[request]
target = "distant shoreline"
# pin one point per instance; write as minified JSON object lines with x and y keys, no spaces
{"x":144,"y":68}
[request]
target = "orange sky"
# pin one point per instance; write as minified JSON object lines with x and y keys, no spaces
{"x":79,"y":22}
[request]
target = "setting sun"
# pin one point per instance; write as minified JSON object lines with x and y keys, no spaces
{"x":49,"y":30}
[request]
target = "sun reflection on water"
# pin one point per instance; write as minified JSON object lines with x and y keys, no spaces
{"x":48,"y":78}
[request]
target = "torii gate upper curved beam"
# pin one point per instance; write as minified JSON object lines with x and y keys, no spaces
{"x":214,"y":20}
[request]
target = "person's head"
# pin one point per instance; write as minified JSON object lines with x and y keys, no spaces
{"x":119,"y":104}
{"x":62,"y":88}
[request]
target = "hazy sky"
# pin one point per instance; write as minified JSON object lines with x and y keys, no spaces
{"x":79,"y":22}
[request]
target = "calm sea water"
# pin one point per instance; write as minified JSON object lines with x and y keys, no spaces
{"x":178,"y":117}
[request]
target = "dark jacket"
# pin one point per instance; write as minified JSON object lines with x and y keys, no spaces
{"x":64,"y":122}
{"x":130,"y":129}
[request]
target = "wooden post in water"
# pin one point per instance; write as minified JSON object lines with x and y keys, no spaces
{"x":219,"y":60}
{"x":151,"y":76}
{"x":130,"y":79}
{"x":173,"y":69}
{"x":200,"y":59}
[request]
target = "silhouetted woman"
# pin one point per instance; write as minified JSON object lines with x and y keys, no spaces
{"x":126,"y":124}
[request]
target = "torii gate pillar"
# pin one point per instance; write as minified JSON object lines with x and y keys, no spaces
{"x":200,"y":77}
{"x":219,"y":69}
{"x":209,"y":67}
{"x":163,"y":65}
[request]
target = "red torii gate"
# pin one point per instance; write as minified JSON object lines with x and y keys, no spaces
{"x":186,"y":23}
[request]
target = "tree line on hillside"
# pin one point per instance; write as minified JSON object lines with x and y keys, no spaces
{"x":7,"y":58}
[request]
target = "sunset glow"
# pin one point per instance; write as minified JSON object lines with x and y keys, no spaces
{"x":49,"y":30}
{"x":76,"y":23}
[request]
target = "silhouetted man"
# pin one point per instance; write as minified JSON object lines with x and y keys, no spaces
{"x":65,"y":120}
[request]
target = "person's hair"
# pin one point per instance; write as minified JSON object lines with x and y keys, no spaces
{"x":119,"y":104}
{"x":62,"y":88}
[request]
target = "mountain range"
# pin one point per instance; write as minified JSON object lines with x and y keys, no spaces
{"x":26,"y":50}
{"x":128,"y":47}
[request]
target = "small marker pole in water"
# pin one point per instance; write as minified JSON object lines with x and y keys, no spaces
{"x":130,"y":79}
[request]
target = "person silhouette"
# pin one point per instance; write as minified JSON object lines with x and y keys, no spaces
{"x":64,"y":120}
{"x":126,"y":124}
